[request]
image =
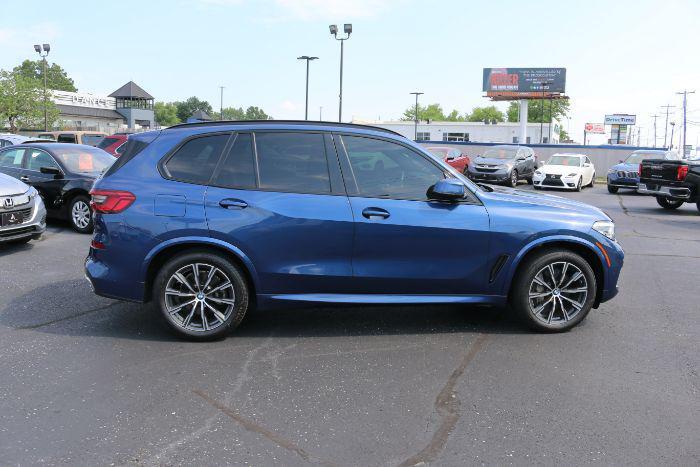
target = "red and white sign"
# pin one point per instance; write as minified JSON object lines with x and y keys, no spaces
{"x":597,"y":128}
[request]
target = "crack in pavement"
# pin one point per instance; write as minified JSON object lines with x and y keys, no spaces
{"x":447,"y":406}
{"x":66,"y":318}
{"x":253,"y":427}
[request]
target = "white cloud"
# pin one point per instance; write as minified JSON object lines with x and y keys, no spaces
{"x":288,"y":106}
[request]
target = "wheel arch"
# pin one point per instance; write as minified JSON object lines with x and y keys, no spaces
{"x":168,"y":250}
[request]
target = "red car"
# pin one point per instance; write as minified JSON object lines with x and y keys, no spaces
{"x":452,"y":156}
{"x":114,"y":144}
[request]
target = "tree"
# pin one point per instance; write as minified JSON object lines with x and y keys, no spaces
{"x":431,"y":112}
{"x":166,"y":113}
{"x":22,"y":102}
{"x":560,"y":109}
{"x":455,"y":117}
{"x":256,"y":113}
{"x":233,"y":113}
{"x":56,"y":77}
{"x":187,"y":108}
{"x":563,"y":135}
{"x":486,"y":114}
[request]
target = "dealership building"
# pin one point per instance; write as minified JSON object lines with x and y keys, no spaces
{"x":480,"y":132}
{"x":129,"y":108}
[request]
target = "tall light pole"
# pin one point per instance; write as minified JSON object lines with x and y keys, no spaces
{"x":347,"y":29}
{"x":43,"y":50}
{"x":543,"y":84}
{"x":221,"y":103}
{"x":654,"y":117}
{"x":415,"y":131}
{"x":667,"y":107}
{"x":308,"y":59}
{"x":673,"y":125}
{"x":685,"y":105}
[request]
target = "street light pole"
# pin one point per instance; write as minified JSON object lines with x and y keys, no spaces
{"x":221,"y":104}
{"x":347,"y":29}
{"x":415,"y":131}
{"x":308,"y":59}
{"x":43,"y":50}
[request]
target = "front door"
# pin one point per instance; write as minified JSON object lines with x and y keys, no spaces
{"x":405,"y":244}
{"x":279,"y":198}
{"x":48,"y":185}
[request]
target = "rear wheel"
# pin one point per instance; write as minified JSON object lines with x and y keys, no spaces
{"x":554,"y":291}
{"x":201,"y":295}
{"x":612,"y":189}
{"x":80,"y":214}
{"x":668,"y":203}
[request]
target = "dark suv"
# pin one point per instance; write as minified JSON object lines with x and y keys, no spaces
{"x":208,"y":219}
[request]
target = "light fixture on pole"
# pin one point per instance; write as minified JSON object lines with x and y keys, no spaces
{"x":43,"y":50}
{"x":308,"y":59}
{"x":347,"y":29}
{"x":415,"y":119}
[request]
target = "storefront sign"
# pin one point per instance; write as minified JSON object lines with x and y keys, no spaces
{"x":596,"y":128}
{"x":83,"y":100}
{"x":620,"y":119}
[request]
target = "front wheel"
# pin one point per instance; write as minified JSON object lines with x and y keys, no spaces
{"x":513,"y":182}
{"x":612,"y":189}
{"x":80,"y":214}
{"x":592,"y":181}
{"x":579,"y":184}
{"x":554,"y":291}
{"x":201,"y":295}
{"x":668,"y":203}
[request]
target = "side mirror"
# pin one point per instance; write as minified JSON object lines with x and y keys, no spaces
{"x":51,"y":171}
{"x":447,"y":190}
{"x":587,"y":164}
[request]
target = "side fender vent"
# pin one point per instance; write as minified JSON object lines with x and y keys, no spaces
{"x":498,"y":265}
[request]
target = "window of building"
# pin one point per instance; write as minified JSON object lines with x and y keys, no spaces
{"x":515,"y":140}
{"x":12,"y":158}
{"x":545,"y":140}
{"x":388,"y":170}
{"x":423,"y":136}
{"x":238,"y":168}
{"x":195,"y":161}
{"x":455,"y":136}
{"x":293,"y":162}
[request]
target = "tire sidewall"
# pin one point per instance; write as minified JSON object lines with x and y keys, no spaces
{"x":240,"y":288}
{"x":73,"y":201}
{"x":513,"y":181}
{"x":612,"y":189}
{"x":668,"y":204}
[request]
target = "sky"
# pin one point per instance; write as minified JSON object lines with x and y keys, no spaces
{"x":621,"y":57}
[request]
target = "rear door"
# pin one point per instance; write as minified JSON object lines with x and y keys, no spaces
{"x":278,"y":196}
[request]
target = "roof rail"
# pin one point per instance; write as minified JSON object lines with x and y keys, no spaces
{"x":284,"y":122}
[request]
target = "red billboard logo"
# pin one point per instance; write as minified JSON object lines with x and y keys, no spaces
{"x":504,"y":82}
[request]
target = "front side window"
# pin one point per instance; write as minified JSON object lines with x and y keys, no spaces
{"x":38,"y":159}
{"x":12,"y":158}
{"x":292,"y":162}
{"x":388,"y":170}
{"x":194,"y":161}
{"x":238,"y":168}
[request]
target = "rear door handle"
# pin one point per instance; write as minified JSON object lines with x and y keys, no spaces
{"x":375,"y":213}
{"x":24,"y":178}
{"x":230,"y":203}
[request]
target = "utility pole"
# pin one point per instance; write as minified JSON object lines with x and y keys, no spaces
{"x":673,"y":126}
{"x":667,"y":107}
{"x":685,"y":106}
{"x":43,"y":50}
{"x":320,"y":113}
{"x":654,"y":117}
{"x":347,"y":29}
{"x":221,"y":104}
{"x":308,"y":59}
{"x":415,"y":130}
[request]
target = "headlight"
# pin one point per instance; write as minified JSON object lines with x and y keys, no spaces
{"x":537,"y":172}
{"x":611,"y":171}
{"x":606,"y":228}
{"x":32,"y":192}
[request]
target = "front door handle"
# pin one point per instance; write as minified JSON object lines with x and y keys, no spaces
{"x":375,"y":213}
{"x":231,"y":203}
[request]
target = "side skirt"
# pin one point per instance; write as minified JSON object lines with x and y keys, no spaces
{"x":273,"y":300}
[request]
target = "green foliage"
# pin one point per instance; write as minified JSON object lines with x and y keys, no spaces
{"x":187,"y":108}
{"x":432,"y":112}
{"x":22,"y":102}
{"x":483,"y":114}
{"x":563,"y":135}
{"x":56,"y":77}
{"x":251,"y":113}
{"x":560,"y":109}
{"x":166,"y":113}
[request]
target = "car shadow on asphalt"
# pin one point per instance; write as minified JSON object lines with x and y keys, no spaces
{"x":70,"y":308}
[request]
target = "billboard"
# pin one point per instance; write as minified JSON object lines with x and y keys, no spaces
{"x":620,"y":119}
{"x":595,"y":128}
{"x":519,"y":83}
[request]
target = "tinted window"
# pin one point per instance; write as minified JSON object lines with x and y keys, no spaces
{"x":66,"y":138}
{"x":38,"y":159}
{"x":384,"y":169}
{"x":12,"y":158}
{"x":293,"y":162}
{"x":108,"y":141}
{"x":195,"y":161}
{"x":83,"y":159}
{"x":238,"y":169}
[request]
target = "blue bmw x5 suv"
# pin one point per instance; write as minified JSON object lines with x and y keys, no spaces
{"x":208,"y":220}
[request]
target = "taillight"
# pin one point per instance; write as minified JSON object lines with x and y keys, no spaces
{"x":682,"y":172}
{"x":111,"y":201}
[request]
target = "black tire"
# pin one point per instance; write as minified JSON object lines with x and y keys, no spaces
{"x":578,"y":185}
{"x":78,"y":225}
{"x":513,"y":181}
{"x":537,"y":187}
{"x":612,"y":189}
{"x":233,"y":313}
{"x":668,"y":203}
{"x":520,"y":293}
{"x":529,"y":180}
{"x":592,"y":181}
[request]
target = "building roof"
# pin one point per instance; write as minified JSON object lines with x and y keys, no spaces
{"x":131,"y":90}
{"x":201,"y":115}
{"x":89,"y":112}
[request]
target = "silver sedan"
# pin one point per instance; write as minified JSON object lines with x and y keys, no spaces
{"x":22,"y":212}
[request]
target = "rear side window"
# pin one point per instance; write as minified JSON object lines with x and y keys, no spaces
{"x":66,"y":138}
{"x":12,"y":158}
{"x":293,"y":162}
{"x":194,"y":161}
{"x":238,"y":168}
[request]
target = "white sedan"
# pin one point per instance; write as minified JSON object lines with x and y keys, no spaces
{"x":570,"y":171}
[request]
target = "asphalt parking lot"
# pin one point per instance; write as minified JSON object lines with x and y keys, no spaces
{"x":91,"y":381}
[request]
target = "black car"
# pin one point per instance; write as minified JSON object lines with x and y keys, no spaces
{"x":672,"y":182}
{"x":62,"y":174}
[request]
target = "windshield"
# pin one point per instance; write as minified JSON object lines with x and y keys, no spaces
{"x":638,"y":157}
{"x":500,"y":152}
{"x":83,"y":159}
{"x":571,"y":161}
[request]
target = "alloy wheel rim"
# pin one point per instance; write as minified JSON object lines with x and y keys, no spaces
{"x":514,"y":179}
{"x":199,"y":297}
{"x":81,"y":214}
{"x":557,"y":293}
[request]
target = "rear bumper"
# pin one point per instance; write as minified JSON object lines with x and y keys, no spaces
{"x":681,"y":193}
{"x":107,"y":284}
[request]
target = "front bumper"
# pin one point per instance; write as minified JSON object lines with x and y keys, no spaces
{"x":498,"y":177}
{"x":33,"y":225}
{"x":566,"y":183}
{"x":623,"y":182}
